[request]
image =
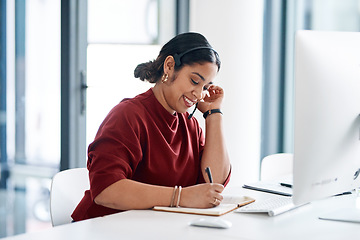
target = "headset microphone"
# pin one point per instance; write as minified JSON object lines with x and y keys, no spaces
{"x":190,"y":116}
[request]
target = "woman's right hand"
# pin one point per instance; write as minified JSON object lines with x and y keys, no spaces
{"x":201,"y":195}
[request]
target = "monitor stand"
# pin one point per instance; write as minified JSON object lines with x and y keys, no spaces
{"x":344,"y":213}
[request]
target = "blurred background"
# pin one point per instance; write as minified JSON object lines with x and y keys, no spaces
{"x":66,"y":63}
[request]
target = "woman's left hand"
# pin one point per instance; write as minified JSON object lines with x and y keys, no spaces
{"x":213,"y":100}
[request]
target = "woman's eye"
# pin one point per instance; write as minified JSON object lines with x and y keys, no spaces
{"x":205,"y":88}
{"x":194,"y":82}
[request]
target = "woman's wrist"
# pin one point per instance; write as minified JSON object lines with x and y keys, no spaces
{"x":176,"y":197}
{"x":211,"y":111}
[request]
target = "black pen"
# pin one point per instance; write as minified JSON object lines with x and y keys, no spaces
{"x":344,"y":193}
{"x":286,"y":185}
{"x":207,"y":170}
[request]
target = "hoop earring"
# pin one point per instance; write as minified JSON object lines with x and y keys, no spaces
{"x":164,"y":78}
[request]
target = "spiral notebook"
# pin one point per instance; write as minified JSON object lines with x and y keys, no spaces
{"x":228,"y":204}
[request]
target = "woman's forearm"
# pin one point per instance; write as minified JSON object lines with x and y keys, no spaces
{"x":215,"y":154}
{"x":128,"y":194}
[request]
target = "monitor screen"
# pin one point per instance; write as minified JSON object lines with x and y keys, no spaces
{"x":326,"y":114}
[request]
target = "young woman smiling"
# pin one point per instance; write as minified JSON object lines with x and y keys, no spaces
{"x":149,"y":151}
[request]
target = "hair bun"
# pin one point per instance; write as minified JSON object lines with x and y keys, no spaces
{"x":145,"y":71}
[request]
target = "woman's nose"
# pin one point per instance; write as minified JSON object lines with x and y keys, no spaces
{"x":198,"y":93}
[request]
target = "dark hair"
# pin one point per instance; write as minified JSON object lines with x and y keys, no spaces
{"x":153,"y":70}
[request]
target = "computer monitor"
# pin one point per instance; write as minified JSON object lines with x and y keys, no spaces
{"x":326,"y":118}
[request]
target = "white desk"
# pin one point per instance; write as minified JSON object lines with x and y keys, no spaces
{"x":301,"y":223}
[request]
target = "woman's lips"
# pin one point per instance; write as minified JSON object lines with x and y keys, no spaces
{"x":188,"y":102}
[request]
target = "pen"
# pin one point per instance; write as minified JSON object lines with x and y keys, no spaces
{"x":207,"y":170}
{"x":344,"y":193}
{"x":286,"y":185}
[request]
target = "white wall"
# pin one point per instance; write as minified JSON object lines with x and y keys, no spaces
{"x":234,"y":28}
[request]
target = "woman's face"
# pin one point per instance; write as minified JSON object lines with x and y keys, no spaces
{"x":188,"y":86}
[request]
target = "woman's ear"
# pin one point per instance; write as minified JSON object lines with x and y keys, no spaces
{"x":169,"y":64}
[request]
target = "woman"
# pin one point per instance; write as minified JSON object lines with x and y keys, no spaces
{"x":149,"y":151}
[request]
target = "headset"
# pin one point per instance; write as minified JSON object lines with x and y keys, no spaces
{"x":177,"y":57}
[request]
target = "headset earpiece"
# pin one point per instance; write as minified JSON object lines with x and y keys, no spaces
{"x":177,"y":59}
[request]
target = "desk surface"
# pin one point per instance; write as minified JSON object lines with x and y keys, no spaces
{"x":301,"y":223}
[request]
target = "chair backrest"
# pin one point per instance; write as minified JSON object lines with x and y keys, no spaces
{"x":67,"y":189}
{"x":276,"y":165}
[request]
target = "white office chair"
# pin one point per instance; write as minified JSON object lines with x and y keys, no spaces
{"x":276,"y":165}
{"x":67,"y":189}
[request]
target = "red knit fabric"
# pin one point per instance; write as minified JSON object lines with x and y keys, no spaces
{"x":141,"y":140}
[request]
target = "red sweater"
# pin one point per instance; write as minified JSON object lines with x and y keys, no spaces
{"x":140,"y":140}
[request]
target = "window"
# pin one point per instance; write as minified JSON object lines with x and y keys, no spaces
{"x":121,"y":35}
{"x":321,"y":15}
{"x":30,"y":112}
{"x":286,"y":17}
